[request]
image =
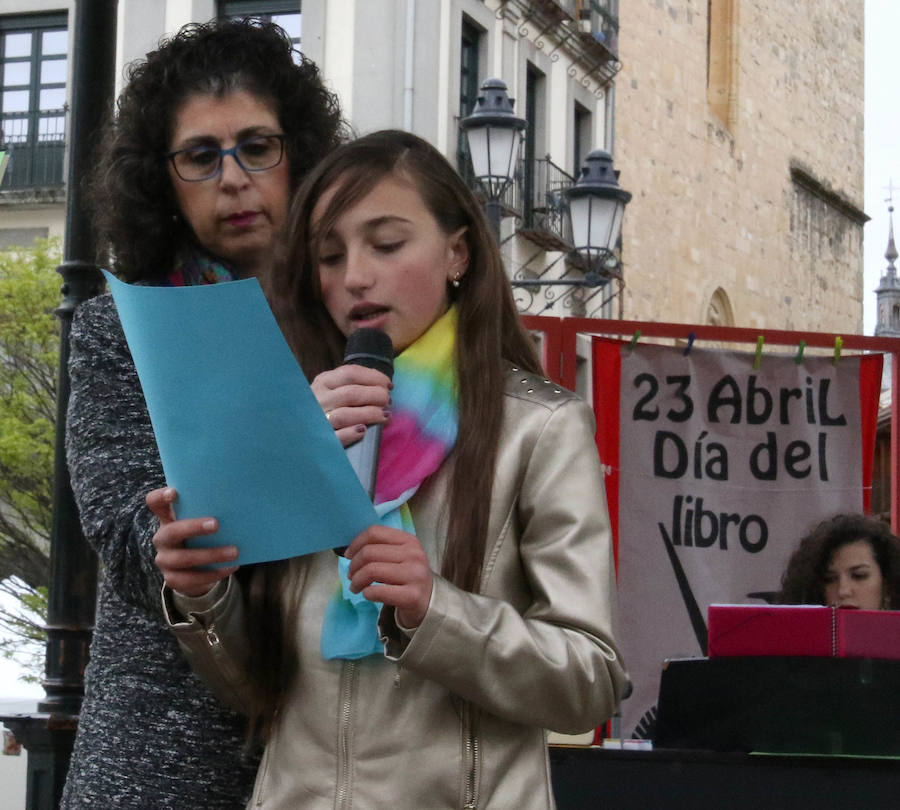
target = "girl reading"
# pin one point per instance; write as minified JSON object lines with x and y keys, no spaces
{"x":422,"y":669}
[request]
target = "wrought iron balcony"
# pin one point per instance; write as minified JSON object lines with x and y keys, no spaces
{"x":545,"y":219}
{"x":600,"y":20}
{"x":535,"y":198}
{"x":588,"y":30}
{"x":36,"y":143}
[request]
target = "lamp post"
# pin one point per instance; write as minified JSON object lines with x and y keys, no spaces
{"x":596,"y":204}
{"x":494,"y":135}
{"x":49,"y":733}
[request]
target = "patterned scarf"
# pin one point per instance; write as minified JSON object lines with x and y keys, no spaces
{"x":414,"y":444}
{"x":195,"y":268}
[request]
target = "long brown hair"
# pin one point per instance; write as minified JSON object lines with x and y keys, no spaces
{"x":490,"y":337}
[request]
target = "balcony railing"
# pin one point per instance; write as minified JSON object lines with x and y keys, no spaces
{"x":587,"y":29}
{"x":36,"y":142}
{"x":600,"y":19}
{"x":545,"y":219}
{"x":535,"y":198}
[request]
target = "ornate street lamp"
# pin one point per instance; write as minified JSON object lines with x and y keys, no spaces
{"x":494,"y":135}
{"x":596,"y":207}
{"x":596,"y":204}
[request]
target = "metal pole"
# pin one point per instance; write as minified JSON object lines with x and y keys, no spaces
{"x":492,"y":209}
{"x":49,"y":734}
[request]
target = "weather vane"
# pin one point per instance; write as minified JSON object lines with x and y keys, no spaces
{"x":890,"y":188}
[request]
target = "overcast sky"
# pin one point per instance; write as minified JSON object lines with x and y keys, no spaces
{"x":10,"y":686}
{"x":882,"y":139}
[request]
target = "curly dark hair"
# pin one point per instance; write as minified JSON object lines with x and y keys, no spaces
{"x":130,"y":191}
{"x":803,"y":582}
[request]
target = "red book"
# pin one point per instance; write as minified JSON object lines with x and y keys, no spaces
{"x":868,"y":634}
{"x":770,"y":630}
{"x":737,"y":630}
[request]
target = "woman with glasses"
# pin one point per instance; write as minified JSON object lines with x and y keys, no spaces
{"x":213,"y":131}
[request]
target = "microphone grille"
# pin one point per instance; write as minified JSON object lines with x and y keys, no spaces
{"x":371,"y":348}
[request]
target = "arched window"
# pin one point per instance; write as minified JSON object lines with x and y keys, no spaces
{"x":718,"y":311}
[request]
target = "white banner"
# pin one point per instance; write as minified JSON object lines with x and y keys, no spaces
{"x":722,"y":468}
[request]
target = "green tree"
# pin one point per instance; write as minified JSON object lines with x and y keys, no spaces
{"x":29,"y":352}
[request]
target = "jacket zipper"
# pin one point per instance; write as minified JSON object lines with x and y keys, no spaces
{"x":263,"y":775}
{"x":224,"y":663}
{"x":348,"y":682}
{"x":267,"y":758}
{"x":222,"y":660}
{"x":472,"y":755}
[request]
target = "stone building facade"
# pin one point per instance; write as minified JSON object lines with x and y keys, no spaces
{"x":393,"y":63}
{"x":736,"y":124}
{"x":739,"y":130}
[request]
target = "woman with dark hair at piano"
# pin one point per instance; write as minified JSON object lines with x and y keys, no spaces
{"x":848,"y":561}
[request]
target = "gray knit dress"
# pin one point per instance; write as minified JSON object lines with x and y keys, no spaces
{"x":150,"y":734}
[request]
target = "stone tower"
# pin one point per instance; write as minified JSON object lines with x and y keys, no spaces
{"x":738,"y":129}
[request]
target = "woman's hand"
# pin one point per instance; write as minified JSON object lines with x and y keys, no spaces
{"x":395,"y":561}
{"x":352,"y":397}
{"x":179,"y":565}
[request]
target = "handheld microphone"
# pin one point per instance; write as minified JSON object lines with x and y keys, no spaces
{"x":371,"y":348}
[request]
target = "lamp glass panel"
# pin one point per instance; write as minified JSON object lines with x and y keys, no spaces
{"x":616,"y":228}
{"x":593,"y":220}
{"x":501,"y":148}
{"x":478,"y":149}
{"x":493,"y":150}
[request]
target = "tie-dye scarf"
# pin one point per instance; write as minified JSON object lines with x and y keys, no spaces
{"x":414,"y":444}
{"x":197,"y":268}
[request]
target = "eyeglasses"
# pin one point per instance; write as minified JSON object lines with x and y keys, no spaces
{"x":256,"y":154}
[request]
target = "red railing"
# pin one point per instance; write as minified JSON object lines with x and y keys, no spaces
{"x":560,"y":354}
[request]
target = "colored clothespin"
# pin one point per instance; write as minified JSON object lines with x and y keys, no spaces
{"x":634,"y":340}
{"x":799,"y":358}
{"x":838,"y":345}
{"x":690,"y":344}
{"x":758,"y":359}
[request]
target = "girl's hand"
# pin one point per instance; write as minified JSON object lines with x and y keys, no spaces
{"x":352,"y":397}
{"x":395,"y":561}
{"x":179,"y":565}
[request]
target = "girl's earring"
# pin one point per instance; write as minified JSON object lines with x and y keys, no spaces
{"x":455,"y":281}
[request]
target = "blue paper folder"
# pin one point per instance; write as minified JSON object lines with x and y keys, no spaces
{"x":240,"y":433}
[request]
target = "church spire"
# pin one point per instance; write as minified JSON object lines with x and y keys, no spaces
{"x":888,"y":292}
{"x":891,"y":253}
